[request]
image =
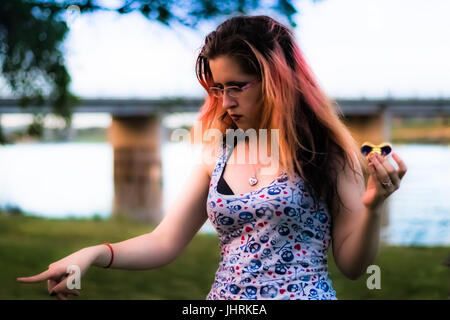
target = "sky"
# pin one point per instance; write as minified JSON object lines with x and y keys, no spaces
{"x":356,"y":49}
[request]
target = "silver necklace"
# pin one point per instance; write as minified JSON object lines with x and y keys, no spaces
{"x":253,"y":180}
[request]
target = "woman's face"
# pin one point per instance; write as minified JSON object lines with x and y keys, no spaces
{"x":226,"y":73}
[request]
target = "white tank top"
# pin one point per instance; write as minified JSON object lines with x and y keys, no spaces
{"x":273,"y":241}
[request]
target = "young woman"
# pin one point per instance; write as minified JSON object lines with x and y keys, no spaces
{"x":274,"y":228}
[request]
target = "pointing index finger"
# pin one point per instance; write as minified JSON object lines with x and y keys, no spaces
{"x":37,"y":278}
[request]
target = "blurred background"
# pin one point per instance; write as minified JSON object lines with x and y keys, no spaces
{"x":91,"y":92}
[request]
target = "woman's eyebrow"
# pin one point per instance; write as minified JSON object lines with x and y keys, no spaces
{"x":230,"y":83}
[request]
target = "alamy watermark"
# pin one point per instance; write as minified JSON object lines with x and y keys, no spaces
{"x":374,"y":281}
{"x":259,"y":145}
{"x":74,"y":278}
{"x":71,"y":14}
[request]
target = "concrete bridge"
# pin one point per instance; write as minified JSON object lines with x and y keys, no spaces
{"x":136,"y":136}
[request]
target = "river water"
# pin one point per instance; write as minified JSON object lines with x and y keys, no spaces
{"x":76,"y":180}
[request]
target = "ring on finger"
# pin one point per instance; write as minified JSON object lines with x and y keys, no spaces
{"x":387,"y":184}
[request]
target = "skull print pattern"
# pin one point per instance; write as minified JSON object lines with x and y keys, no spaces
{"x":273,"y":241}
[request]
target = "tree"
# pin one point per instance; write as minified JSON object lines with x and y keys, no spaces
{"x":32,"y":31}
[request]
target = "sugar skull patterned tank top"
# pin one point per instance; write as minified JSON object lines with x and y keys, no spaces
{"x":273,"y":241}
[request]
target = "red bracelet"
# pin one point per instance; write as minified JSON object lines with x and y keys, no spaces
{"x":112,"y":254}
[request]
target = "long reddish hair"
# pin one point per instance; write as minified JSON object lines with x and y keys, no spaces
{"x":313,"y":140}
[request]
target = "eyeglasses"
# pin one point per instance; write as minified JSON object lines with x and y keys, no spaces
{"x":384,"y":148}
{"x":233,"y":91}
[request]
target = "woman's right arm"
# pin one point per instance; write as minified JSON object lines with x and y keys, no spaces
{"x":180,"y":223}
{"x":148,"y":251}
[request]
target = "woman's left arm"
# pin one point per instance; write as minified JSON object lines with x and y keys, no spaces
{"x":356,"y":227}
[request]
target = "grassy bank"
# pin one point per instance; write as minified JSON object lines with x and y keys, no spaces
{"x":29,"y":244}
{"x":426,"y":131}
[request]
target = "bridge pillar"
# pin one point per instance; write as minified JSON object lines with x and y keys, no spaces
{"x":137,"y":167}
{"x":375,"y":128}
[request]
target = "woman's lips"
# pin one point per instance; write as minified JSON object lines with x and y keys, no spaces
{"x":236,"y":116}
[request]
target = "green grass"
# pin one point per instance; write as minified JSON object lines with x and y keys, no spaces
{"x":29,"y":244}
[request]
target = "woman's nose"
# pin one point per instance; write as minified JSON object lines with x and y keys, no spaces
{"x":227,"y":101}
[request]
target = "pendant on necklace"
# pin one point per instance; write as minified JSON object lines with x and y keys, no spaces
{"x":252,"y":181}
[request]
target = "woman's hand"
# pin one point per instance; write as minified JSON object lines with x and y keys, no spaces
{"x":57,"y":272}
{"x":384,"y":179}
